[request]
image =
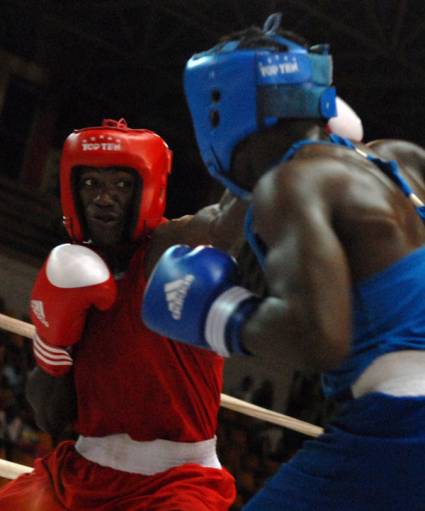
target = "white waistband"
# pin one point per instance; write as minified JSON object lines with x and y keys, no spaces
{"x":147,"y":458}
{"x":401,"y":373}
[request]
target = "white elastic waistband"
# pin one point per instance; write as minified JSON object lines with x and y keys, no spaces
{"x":401,"y":373}
{"x":147,"y":458}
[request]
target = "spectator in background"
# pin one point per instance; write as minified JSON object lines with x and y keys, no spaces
{"x":263,"y":395}
{"x":245,"y":390}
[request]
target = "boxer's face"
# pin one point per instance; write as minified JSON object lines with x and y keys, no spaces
{"x":106,"y":198}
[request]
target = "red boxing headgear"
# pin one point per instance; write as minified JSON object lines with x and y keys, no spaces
{"x":114,"y":144}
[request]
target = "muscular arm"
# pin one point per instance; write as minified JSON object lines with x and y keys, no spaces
{"x":307,"y":313}
{"x":52,"y":399}
{"x":219,"y":224}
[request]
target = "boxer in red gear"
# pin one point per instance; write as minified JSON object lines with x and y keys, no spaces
{"x":145,"y":408}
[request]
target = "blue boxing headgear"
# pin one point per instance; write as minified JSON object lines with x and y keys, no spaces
{"x":233,"y":92}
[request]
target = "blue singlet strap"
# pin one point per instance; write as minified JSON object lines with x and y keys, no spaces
{"x":254,"y":241}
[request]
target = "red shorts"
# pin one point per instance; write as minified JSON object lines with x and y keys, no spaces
{"x":64,"y":480}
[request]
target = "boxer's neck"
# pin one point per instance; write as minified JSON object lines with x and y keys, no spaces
{"x":259,"y":152}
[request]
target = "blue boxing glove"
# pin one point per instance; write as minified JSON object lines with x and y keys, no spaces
{"x":192,"y":296}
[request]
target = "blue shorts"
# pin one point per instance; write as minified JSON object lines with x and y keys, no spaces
{"x":370,"y":458}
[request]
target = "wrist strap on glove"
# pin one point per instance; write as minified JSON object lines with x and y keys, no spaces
{"x":54,"y":361}
{"x":225,"y":319}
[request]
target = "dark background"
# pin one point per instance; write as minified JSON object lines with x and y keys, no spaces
{"x":67,"y":64}
{"x":124,"y":58}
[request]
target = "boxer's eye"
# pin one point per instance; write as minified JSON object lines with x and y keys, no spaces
{"x":88,"y":182}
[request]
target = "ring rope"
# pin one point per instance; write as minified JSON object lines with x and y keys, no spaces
{"x":11,"y":470}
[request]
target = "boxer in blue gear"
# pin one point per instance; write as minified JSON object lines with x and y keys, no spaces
{"x":339,"y":231}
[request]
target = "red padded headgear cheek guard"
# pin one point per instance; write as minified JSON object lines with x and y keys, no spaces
{"x":70,"y":217}
{"x":116,"y":145}
{"x":154,"y":172}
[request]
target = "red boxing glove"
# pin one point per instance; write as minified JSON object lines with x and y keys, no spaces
{"x":73,"y":279}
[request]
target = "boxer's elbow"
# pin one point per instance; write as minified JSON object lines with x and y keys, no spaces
{"x":288,"y":329}
{"x":328,"y":353}
{"x":327,"y":344}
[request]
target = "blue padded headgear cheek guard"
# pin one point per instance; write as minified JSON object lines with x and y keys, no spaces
{"x":222,"y":111}
{"x":233,"y":93}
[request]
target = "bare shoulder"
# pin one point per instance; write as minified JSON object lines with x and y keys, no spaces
{"x":301,"y":190}
{"x":171,"y":228}
{"x":315,"y":174}
{"x":217,"y":224}
{"x":405,"y":152}
{"x":187,"y":229}
{"x":165,"y":235}
{"x":395,"y":147}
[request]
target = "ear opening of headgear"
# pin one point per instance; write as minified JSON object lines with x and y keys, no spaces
{"x":234,"y":91}
{"x":114,"y":144}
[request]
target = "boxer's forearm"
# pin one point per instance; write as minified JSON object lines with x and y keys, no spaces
{"x":52,"y":399}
